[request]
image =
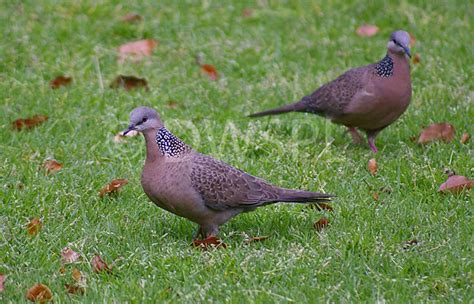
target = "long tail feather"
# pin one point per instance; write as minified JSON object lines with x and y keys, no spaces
{"x":293,"y":107}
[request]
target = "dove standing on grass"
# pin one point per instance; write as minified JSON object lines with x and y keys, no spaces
{"x":198,"y":187}
{"x":368,"y":98}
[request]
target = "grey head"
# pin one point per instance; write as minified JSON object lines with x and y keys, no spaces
{"x":399,"y":43}
{"x":142,"y":119}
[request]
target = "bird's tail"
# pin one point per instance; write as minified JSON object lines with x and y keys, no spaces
{"x":292,"y":107}
{"x":300,"y":196}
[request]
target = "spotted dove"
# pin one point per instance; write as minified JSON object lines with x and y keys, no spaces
{"x":198,"y":187}
{"x":368,"y":98}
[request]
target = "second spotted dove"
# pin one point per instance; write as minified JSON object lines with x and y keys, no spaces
{"x":368,"y":98}
{"x":198,"y":187}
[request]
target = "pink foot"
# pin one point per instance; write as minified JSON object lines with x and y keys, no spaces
{"x":356,"y":138}
{"x":372,"y":146}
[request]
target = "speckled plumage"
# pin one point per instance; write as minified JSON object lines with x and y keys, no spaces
{"x":198,"y":187}
{"x":368,"y":98}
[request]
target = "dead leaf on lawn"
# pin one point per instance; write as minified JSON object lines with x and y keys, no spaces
{"x":129,"y":83}
{"x":2,"y":281}
{"x":442,"y":131}
{"x":320,"y":206}
{"x":34,"y":226}
{"x":171,"y":104}
{"x":77,"y":276}
{"x":412,"y":40}
{"x":456,"y":184}
{"x":136,"y":50}
{"x":410,"y":243}
{"x":51,"y":165}
{"x":113,"y":187}
{"x":210,"y":71}
{"x":321,"y":224}
{"x":74,"y":289}
{"x":39,"y":293}
{"x":367,"y":30}
{"x":210,"y":242}
{"x":98,"y":265}
{"x":120,"y":138}
{"x":375,"y":196}
{"x":372,"y":166}
{"x":69,"y":256}
{"x":464,"y":138}
{"x":28,"y":123}
{"x":256,"y":239}
{"x":416,"y":58}
{"x":132,"y":17}
{"x":247,"y":12}
{"x":60,"y":81}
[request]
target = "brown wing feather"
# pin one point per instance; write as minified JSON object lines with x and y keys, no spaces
{"x":223,"y":186}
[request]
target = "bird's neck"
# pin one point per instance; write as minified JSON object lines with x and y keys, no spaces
{"x":161,"y":144}
{"x":392,"y":63}
{"x":153,"y":154}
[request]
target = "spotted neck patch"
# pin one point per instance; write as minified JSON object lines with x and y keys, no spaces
{"x":385,"y":67}
{"x":170,"y":145}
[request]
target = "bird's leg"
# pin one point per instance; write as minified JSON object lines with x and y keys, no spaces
{"x":206,"y":232}
{"x":371,"y":139}
{"x":199,"y":233}
{"x":356,"y":138}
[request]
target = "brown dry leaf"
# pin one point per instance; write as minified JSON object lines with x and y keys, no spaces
{"x":132,"y":17}
{"x":69,"y":256}
{"x":62,"y":270}
{"x":375,"y":195}
{"x":77,"y":275}
{"x":129,"y":83}
{"x":210,"y":242}
{"x":456,"y":184}
{"x":367,"y":30}
{"x":412,"y":40}
{"x":247,"y":12}
{"x":256,"y":239}
{"x":98,"y":265}
{"x":120,"y":138}
{"x":2,"y":281}
{"x":113,"y":187}
{"x":171,"y":104}
{"x":60,"y":81}
{"x":210,"y":71}
{"x":320,"y":206}
{"x":443,"y":131}
{"x":372,"y":166}
{"x":416,"y":58}
{"x":28,"y":123}
{"x":51,"y":165}
{"x":321,"y":224}
{"x":74,"y":289}
{"x":39,"y":293}
{"x":34,"y":226}
{"x":136,"y":50}
{"x":464,"y":138}
{"x":410,"y":243}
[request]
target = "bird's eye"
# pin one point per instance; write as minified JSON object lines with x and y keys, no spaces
{"x":144,"y":119}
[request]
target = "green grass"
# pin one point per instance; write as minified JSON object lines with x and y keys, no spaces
{"x":286,"y":50}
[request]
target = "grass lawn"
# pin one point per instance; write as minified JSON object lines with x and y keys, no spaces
{"x":283,"y":51}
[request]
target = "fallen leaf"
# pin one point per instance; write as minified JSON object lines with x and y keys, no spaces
{"x":2,"y":281}
{"x":34,"y":226}
{"x":412,"y":39}
{"x":367,"y":30}
{"x":456,"y":184}
{"x":132,"y":17}
{"x":256,"y":239}
{"x":320,"y":206}
{"x":60,"y":81}
{"x":39,"y":293}
{"x":171,"y":104}
{"x":464,"y":138}
{"x":212,"y":242}
{"x":51,"y":165}
{"x":443,"y":131}
{"x":410,"y":243}
{"x":416,"y":58}
{"x":69,"y":256}
{"x":210,"y":71}
{"x":375,"y":195}
{"x":113,"y":186}
{"x":62,"y":270}
{"x":29,"y":123}
{"x":98,"y":265}
{"x":121,"y":138}
{"x":74,"y":289}
{"x":136,"y":50}
{"x":372,"y":166}
{"x":321,"y":224}
{"x":77,"y":275}
{"x":247,"y":12}
{"x":129,"y":83}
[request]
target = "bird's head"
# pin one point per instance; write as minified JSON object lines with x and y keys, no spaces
{"x":399,"y":43}
{"x":142,"y":119}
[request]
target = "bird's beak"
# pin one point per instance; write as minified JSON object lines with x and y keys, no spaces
{"x":130,"y":128}
{"x":407,"y":50}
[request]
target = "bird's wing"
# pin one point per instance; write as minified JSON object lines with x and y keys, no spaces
{"x":332,"y":98}
{"x":222,"y":186}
